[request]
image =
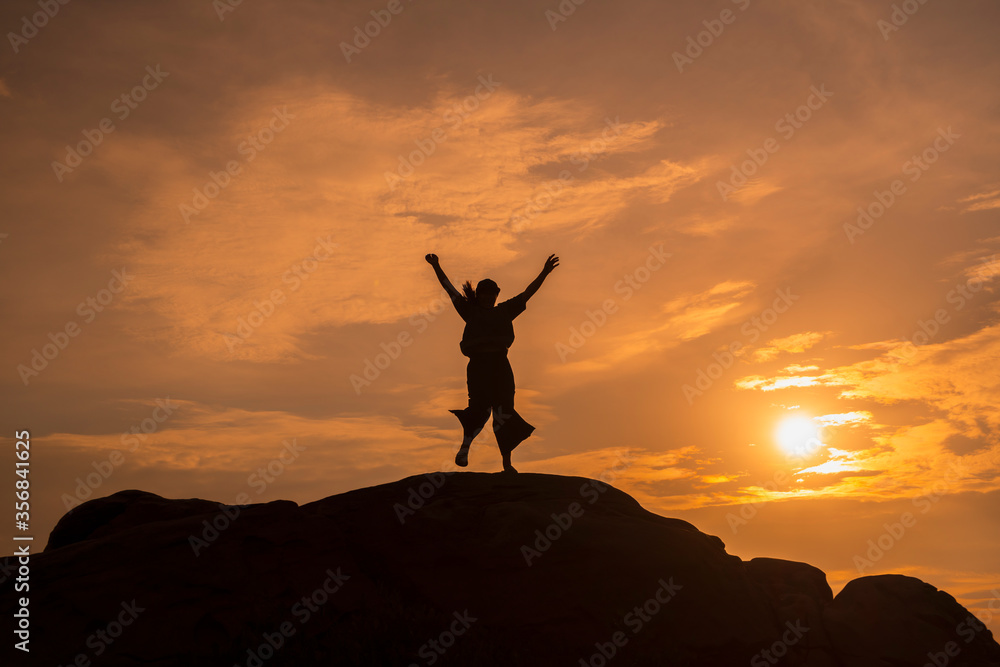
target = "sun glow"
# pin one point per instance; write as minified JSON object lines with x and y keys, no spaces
{"x":798,"y":436}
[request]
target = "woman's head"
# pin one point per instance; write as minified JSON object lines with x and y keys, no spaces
{"x":485,"y":293}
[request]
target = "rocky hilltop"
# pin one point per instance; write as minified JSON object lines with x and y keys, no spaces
{"x":455,"y":569}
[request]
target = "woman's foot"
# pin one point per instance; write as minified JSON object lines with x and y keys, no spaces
{"x":507,"y":467}
{"x":462,"y":458}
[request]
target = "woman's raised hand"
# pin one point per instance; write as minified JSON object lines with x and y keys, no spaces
{"x":431,"y":258}
{"x":551,"y":263}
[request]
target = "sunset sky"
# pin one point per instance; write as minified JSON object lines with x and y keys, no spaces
{"x":216,"y":214}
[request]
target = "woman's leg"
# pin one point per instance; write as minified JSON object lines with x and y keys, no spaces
{"x":509,"y":427}
{"x":474,"y":417}
{"x":510,"y":430}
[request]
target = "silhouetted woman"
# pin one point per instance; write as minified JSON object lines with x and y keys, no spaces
{"x":489,"y":331}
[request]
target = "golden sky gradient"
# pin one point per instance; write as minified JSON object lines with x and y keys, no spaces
{"x":250,"y":219}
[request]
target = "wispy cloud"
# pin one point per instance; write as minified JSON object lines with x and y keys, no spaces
{"x":795,"y":343}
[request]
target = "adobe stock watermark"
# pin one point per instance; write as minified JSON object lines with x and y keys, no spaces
{"x":258,"y":480}
{"x":302,"y":611}
{"x":122,"y":106}
{"x":99,"y":641}
{"x":223,"y":7}
{"x":750,"y":329}
{"x":781,"y":478}
{"x":562,"y":12}
{"x":786,"y":126}
{"x":697,"y":44}
{"x":418,"y":496}
{"x":635,"y":620}
{"x":629,"y":284}
{"x":433,"y":649}
{"x":915,"y":167}
{"x":454,"y":118}
{"x":393,"y":349}
{"x":59,"y":341}
{"x":539,"y":202}
{"x":779,"y":649}
{"x":295,"y":276}
{"x":372,"y":29}
{"x":899,"y":16}
{"x":562,"y":522}
{"x":31,"y":25}
{"x":748,"y":511}
{"x":103,"y":469}
{"x":962,"y":293}
{"x":959,"y":296}
{"x":249,"y":148}
{"x":894,"y":532}
{"x":966,"y":630}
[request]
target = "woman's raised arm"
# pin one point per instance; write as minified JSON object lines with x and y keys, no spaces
{"x":432,"y":259}
{"x":551,"y":263}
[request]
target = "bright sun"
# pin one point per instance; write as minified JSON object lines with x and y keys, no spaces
{"x":798,"y":436}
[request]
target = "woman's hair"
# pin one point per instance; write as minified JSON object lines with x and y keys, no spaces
{"x":486,"y":286}
{"x":470,"y":292}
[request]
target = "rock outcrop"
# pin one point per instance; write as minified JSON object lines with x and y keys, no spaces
{"x":454,"y":569}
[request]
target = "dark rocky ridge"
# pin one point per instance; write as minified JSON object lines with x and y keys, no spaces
{"x":392,"y":586}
